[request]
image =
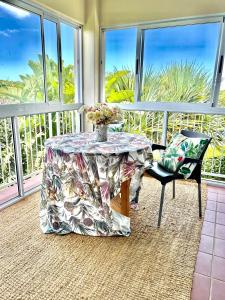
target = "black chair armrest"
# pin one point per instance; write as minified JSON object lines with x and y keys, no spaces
{"x":158,"y":147}
{"x":191,"y":160}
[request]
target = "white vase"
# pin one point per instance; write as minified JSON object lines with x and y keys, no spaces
{"x":101,"y":133}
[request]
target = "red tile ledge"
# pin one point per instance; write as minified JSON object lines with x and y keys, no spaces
{"x":203,"y":264}
{"x":201,"y":287}
{"x":206,"y":244}
{"x":218,"y":268}
{"x":218,"y":290}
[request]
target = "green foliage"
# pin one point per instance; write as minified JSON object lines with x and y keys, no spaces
{"x":7,"y":166}
{"x":35,"y":129}
{"x":30,"y":88}
{"x":68,"y":84}
{"x":183,"y":82}
{"x":11,"y":90}
{"x":33,"y":84}
{"x":52,"y":81}
{"x":146,"y":123}
{"x":178,"y":82}
{"x":222,"y":98}
{"x":120,"y":86}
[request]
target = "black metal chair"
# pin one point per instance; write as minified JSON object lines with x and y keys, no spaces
{"x":164,"y":176}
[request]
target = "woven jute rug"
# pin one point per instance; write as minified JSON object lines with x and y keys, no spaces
{"x":152,"y":263}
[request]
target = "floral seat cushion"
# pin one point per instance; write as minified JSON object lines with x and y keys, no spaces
{"x":180,"y":148}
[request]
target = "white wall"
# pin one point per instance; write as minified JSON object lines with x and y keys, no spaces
{"x":114,"y":12}
{"x":91,"y":54}
{"x":74,"y":9}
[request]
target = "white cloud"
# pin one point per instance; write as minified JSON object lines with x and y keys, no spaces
{"x":8,"y":32}
{"x":12,"y":30}
{"x":4,"y":33}
{"x":15,"y":11}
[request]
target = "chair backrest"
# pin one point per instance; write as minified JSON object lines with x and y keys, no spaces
{"x":196,"y":174}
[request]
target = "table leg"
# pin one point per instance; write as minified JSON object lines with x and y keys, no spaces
{"x":125,"y":199}
{"x":121,"y":203}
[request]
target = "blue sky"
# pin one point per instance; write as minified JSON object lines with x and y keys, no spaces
{"x":67,"y":44}
{"x":164,"y":46}
{"x":21,"y":37}
{"x":50,"y":39}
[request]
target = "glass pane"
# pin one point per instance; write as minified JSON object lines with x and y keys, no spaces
{"x":120,"y":56}
{"x":51,"y":59}
{"x":68,"y":60}
{"x":21,"y":68}
{"x":178,"y":63}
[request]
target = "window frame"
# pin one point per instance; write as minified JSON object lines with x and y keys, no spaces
{"x":9,"y":110}
{"x":170,"y":106}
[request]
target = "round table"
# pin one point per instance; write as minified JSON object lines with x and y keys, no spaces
{"x":81,"y":177}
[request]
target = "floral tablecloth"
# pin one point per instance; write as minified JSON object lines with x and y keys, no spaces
{"x":80,"y":178}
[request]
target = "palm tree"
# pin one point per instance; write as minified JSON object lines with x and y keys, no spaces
{"x":178,"y":82}
{"x":10,"y":91}
{"x":52,"y":79}
{"x":33,"y":84}
{"x":68,"y":81}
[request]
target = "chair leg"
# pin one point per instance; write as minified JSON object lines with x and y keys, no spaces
{"x":161,"y":204}
{"x":199,"y":200}
{"x":173,"y":189}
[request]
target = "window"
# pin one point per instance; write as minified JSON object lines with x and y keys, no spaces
{"x":51,"y":61}
{"x":179,"y":63}
{"x":28,"y":76}
{"x":120,"y":53}
{"x":39,"y":65}
{"x":21,"y":65}
{"x":68,"y":62}
{"x":165,"y":62}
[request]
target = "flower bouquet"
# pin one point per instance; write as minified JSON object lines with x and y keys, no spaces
{"x":101,"y":115}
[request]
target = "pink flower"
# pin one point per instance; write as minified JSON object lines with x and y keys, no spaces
{"x":79,"y":161}
{"x":104,"y":187}
{"x":128,"y":169}
{"x":50,"y":154}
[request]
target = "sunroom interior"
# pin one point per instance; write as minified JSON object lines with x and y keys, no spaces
{"x":162,"y":63}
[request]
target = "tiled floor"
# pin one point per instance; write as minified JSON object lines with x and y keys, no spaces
{"x":209,"y":277}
